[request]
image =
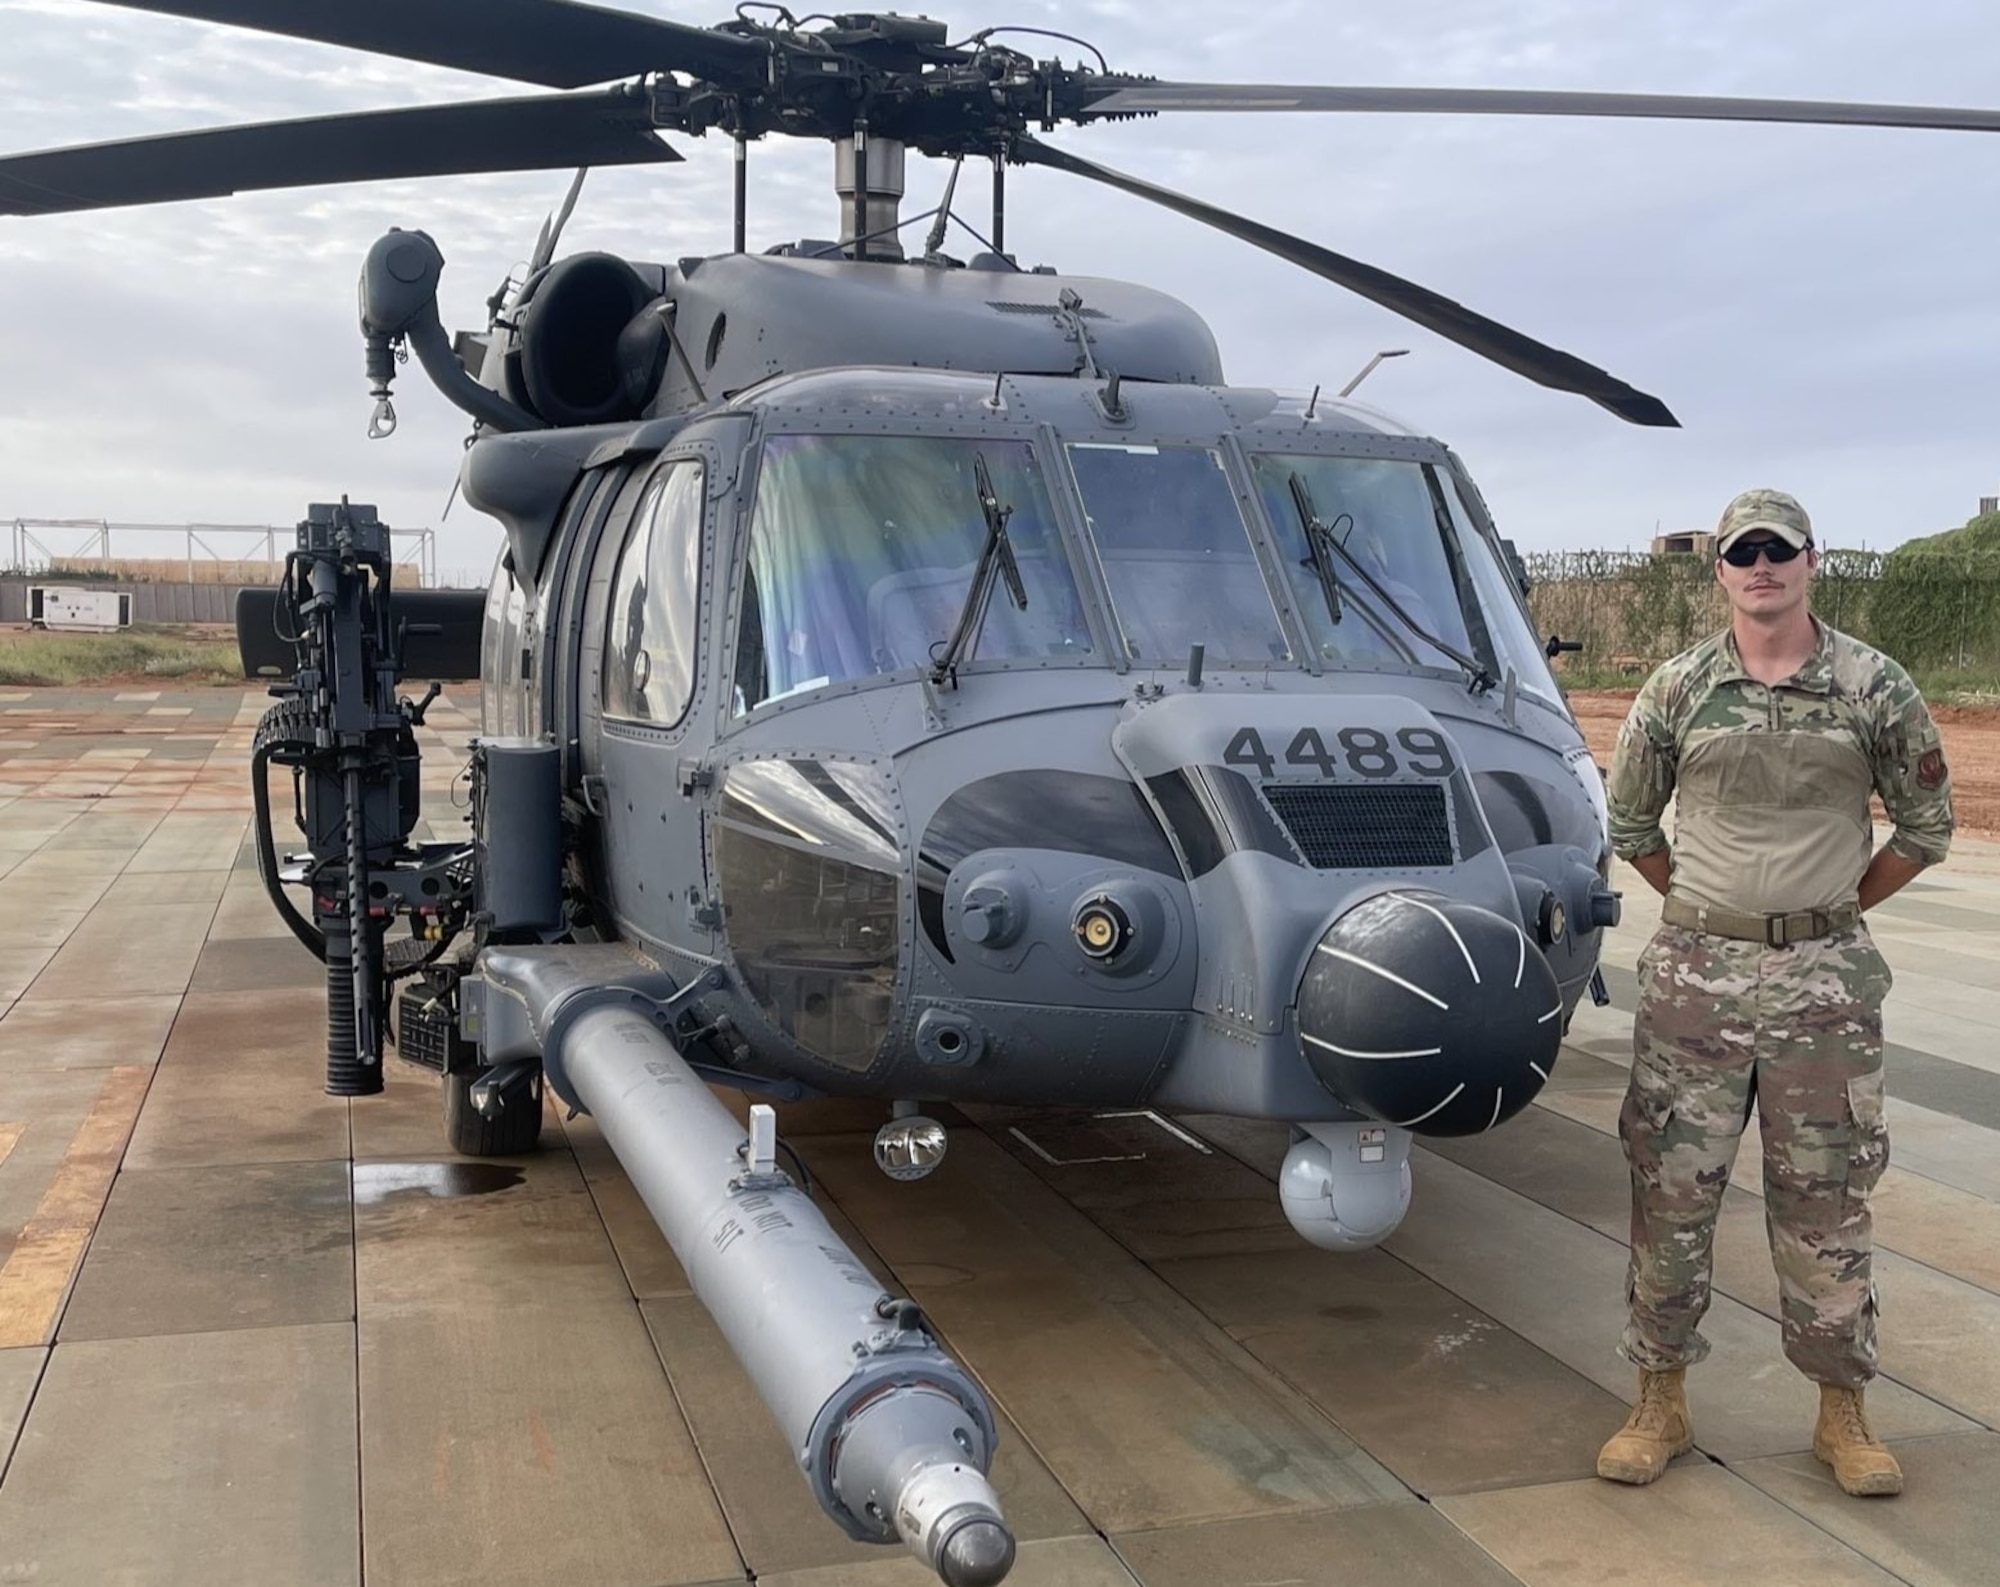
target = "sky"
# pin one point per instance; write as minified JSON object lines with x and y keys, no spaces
{"x":1817,"y":305}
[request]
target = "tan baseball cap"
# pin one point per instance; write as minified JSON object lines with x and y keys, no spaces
{"x":1763,"y":509}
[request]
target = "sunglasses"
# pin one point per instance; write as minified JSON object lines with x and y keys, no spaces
{"x":1744,"y":553}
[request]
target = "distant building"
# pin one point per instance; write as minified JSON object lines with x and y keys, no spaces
{"x":1685,"y":543}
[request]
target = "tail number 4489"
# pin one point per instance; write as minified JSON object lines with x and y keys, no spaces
{"x":1355,"y":751}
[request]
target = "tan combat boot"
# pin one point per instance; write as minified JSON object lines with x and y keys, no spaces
{"x":1860,"y":1465}
{"x":1658,"y":1429}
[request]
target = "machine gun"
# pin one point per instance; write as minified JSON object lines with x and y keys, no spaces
{"x":352,"y":747}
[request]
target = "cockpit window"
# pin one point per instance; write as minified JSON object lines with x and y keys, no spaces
{"x":1384,"y":515}
{"x":862,"y":553}
{"x":655,"y":594}
{"x":1176,"y":553}
{"x":1513,"y":635}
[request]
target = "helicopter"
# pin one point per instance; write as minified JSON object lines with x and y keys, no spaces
{"x":908,"y":677}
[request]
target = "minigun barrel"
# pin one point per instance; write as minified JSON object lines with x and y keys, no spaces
{"x":895,"y":1437}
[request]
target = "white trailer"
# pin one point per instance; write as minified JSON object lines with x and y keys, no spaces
{"x":78,"y":609}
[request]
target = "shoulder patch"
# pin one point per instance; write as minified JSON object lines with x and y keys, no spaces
{"x":1931,"y":768}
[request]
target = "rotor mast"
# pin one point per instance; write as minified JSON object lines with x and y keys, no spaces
{"x":868,"y":177}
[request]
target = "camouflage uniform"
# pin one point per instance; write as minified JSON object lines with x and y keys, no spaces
{"x":1772,"y":817}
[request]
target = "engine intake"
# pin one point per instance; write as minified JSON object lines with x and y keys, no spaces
{"x":571,"y":366}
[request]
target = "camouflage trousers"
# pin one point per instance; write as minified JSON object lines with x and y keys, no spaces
{"x":1797,"y":1030}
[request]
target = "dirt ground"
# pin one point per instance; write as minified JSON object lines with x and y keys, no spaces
{"x":1971,"y":745}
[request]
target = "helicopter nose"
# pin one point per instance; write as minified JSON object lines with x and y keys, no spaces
{"x":1429,"y":1013}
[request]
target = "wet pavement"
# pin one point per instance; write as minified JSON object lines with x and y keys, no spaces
{"x":250,"y":1333}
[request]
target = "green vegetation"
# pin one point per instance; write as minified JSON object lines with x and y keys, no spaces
{"x":1924,"y":608}
{"x":143,"y":653}
{"x":1933,"y":604}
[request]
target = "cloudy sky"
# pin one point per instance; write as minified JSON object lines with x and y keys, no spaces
{"x":1817,"y":305}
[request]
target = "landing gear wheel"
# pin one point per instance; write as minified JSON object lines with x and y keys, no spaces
{"x":513,"y":1131}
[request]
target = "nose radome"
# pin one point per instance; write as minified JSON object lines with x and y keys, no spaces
{"x":1430,"y":1013}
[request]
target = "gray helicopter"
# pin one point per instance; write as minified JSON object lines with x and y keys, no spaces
{"x":908,"y":677}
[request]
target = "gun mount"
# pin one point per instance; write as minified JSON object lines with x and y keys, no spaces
{"x":351,"y":746}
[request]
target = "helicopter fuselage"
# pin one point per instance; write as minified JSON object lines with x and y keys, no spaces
{"x":1188,"y":823}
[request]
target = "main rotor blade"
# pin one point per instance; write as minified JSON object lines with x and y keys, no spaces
{"x":1534,"y":102}
{"x":557,"y":43}
{"x":534,"y":134}
{"x":1508,"y":348}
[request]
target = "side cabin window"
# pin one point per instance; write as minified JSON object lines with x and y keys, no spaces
{"x":503,"y":709}
{"x":862,"y":555}
{"x":649,"y":653}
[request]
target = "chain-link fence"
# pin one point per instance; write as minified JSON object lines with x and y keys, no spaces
{"x":1633,"y":609}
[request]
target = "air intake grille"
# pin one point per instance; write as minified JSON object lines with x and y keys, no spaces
{"x":1358,"y":826}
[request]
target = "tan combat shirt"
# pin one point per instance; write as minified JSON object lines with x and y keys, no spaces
{"x":1773,"y":780}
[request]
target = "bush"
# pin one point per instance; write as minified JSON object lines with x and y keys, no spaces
{"x":1933,"y":604}
{"x":1936,"y":601}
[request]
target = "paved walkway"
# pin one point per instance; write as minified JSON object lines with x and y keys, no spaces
{"x":251,"y":1334}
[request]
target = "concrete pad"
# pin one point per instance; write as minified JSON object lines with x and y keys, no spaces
{"x":193,"y":840}
{"x":247,"y":911}
{"x":134,"y":890}
{"x":1698,"y":1526}
{"x":772,"y":1515}
{"x":51,"y":869}
{"x":197,"y":1250}
{"x":1944,"y":1530}
{"x":1562,"y":1286}
{"x":48,"y":1033}
{"x":207,"y":1459}
{"x":651,"y":1269}
{"x":1160,"y":1191}
{"x":1948,"y":1229}
{"x":50,"y":1244}
{"x":48,"y":923}
{"x":501,"y":1355}
{"x":241,"y":1081}
{"x":1937,"y":1145}
{"x":1062,"y":1562}
{"x":1379,"y":1545}
{"x":20,"y":1371}
{"x":19,"y":968}
{"x":442,"y":1239}
{"x":1942,"y":1336}
{"x":105,"y":827}
{"x":1148,"y":1414}
{"x":1437,"y":1391}
{"x":256,"y":964}
{"x":1956,"y":1231}
{"x":47,"y":1108}
{"x":110,"y":953}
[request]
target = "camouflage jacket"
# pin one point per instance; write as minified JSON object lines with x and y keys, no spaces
{"x":1772,"y":782}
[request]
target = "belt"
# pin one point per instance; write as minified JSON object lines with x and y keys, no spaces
{"x":1774,"y":931}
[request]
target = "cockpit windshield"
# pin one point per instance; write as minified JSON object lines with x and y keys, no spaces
{"x":862,"y":551}
{"x":1381,"y":513}
{"x":1176,"y":553}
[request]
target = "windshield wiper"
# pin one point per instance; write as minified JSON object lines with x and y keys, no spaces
{"x":1321,"y":540}
{"x":995,"y":557}
{"x":1318,"y":538}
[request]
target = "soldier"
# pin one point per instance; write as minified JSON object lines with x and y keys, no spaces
{"x":1762,"y":982}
